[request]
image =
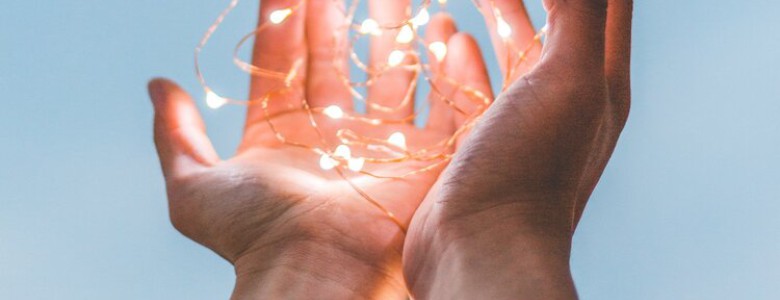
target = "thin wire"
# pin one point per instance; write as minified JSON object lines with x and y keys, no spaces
{"x":379,"y":150}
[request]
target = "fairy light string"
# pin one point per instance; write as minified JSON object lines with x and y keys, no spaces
{"x":375,"y":150}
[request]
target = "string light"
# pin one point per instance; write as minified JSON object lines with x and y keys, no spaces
{"x":397,"y":139}
{"x":395,"y":58}
{"x":343,"y":151}
{"x":278,"y":16}
{"x":327,"y":162}
{"x":213,"y":100}
{"x":439,"y":50}
{"x":372,"y":150}
{"x":502,"y":27}
{"x":421,"y":18}
{"x":405,"y":35}
{"x":333,"y":112}
{"x":369,"y":26}
{"x":356,"y":164}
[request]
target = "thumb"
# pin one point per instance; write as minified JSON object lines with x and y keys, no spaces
{"x":179,"y":132}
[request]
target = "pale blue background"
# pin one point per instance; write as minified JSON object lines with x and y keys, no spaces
{"x":686,"y":210}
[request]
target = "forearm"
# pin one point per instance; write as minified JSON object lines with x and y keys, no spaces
{"x":313,"y":272}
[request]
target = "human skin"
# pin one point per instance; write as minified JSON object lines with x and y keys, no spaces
{"x":293,"y":230}
{"x":498,"y":223}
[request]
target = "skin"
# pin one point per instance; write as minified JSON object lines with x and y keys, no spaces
{"x":497,"y":223}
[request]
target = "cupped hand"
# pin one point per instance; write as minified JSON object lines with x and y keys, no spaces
{"x":499,"y":221}
{"x":290,"y":228}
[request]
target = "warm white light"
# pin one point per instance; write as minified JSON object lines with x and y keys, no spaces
{"x":371,"y":27}
{"x":278,"y":16}
{"x":213,"y":100}
{"x":503,"y":28}
{"x":327,"y":162}
{"x":442,"y":2}
{"x":397,"y":139}
{"x":405,"y":35}
{"x":439,"y":49}
{"x":421,"y":18}
{"x":396,"y":58}
{"x":356,"y":164}
{"x":343,"y":152}
{"x":333,"y":112}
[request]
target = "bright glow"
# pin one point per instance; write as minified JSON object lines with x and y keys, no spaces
{"x":278,"y":16}
{"x":371,"y":27}
{"x":442,"y":2}
{"x":397,"y":139}
{"x":503,"y":28}
{"x":405,"y":35}
{"x":356,"y":164}
{"x":213,"y":100}
{"x":333,"y":112}
{"x":396,"y":58}
{"x":421,"y":18}
{"x":343,"y":151}
{"x":327,"y":162}
{"x":439,"y":49}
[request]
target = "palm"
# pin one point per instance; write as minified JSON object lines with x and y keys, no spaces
{"x":272,"y":196}
{"x":275,"y":189}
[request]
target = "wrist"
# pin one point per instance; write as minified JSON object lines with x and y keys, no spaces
{"x":309,"y":270}
{"x":501,"y":253}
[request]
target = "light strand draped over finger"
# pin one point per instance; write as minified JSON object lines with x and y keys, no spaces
{"x":284,"y":88}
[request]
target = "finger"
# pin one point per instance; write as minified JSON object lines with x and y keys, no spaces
{"x":465,"y":66}
{"x":326,"y":38}
{"x":179,"y":132}
{"x":278,"y":48}
{"x":519,"y":47}
{"x":439,"y":31}
{"x":618,"y":50}
{"x":618,"y":72}
{"x":575,"y":38}
{"x":391,"y":89}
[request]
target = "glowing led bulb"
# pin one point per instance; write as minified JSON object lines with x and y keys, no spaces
{"x":327,"y":162}
{"x":396,"y":58}
{"x":439,"y":49}
{"x":343,"y":152}
{"x":503,"y":28}
{"x":421,"y":18}
{"x":405,"y":35}
{"x":397,"y":139}
{"x":333,"y":112}
{"x":369,"y":26}
{"x":278,"y":16}
{"x":213,"y":100}
{"x":356,"y":164}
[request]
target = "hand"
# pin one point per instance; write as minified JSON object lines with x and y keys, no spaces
{"x":498,"y":223}
{"x":291,"y":229}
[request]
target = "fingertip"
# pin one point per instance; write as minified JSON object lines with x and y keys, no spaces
{"x":155,"y":89}
{"x":462,"y":47}
{"x":441,"y":25}
{"x":161,"y":89}
{"x":466,"y":66}
{"x":179,"y":131}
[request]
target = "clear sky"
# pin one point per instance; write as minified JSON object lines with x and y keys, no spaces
{"x":687,"y":208}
